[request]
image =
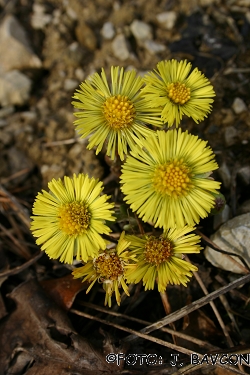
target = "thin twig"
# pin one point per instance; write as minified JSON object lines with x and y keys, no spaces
{"x":167,"y":308}
{"x":4,"y":180}
{"x":233,"y":292}
{"x":215,"y":310}
{"x":155,"y":340}
{"x":134,"y":332}
{"x":62,"y":142}
{"x":19,"y":269}
{"x":181,"y":335}
{"x":19,"y":210}
{"x":191,"y":307}
{"x":23,"y":251}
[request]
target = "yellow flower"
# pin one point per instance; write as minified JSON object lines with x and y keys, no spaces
{"x":167,"y":181}
{"x":70,"y":218}
{"x":108,"y":268}
{"x":178,"y":92}
{"x":114,"y":113}
{"x":161,"y":258}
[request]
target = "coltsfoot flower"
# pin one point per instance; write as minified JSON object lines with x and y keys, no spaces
{"x":108,"y":268}
{"x":167,"y":181}
{"x":178,"y":92}
{"x":70,"y":218}
{"x":114,"y":113}
{"x":161,"y":258}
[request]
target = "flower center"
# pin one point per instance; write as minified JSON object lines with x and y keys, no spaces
{"x":119,"y":111}
{"x":109,"y":266}
{"x":74,"y":218}
{"x":157,"y":250}
{"x":173,"y":178}
{"x":178,"y":92}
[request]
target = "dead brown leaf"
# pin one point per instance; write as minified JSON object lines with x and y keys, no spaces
{"x":38,"y":338}
{"x":63,"y":290}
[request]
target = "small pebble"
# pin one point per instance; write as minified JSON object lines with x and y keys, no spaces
{"x":141,"y":30}
{"x":108,"y":31}
{"x":230,"y":136}
{"x":167,"y":19}
{"x":70,"y":84}
{"x":154,"y":47}
{"x":120,"y":47}
{"x":244,"y":174}
{"x":225,"y":175}
{"x":239,"y":106}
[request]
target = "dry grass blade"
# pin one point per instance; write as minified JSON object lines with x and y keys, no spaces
{"x":18,"y":269}
{"x":186,"y":370}
{"x":137,"y":333}
{"x":215,"y":310}
{"x":192,"y":307}
{"x":16,"y":207}
{"x":21,"y":250}
{"x":181,"y":335}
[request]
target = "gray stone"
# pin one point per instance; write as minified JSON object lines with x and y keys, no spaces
{"x":14,"y":88}
{"x":239,"y":106}
{"x":3,"y":123}
{"x":244,"y":174}
{"x":154,"y":47}
{"x":141,"y":30}
{"x":18,"y":161}
{"x":120,"y":47}
{"x":49,"y":172}
{"x":244,"y":208}
{"x":5,"y":112}
{"x":16,"y":52}
{"x":71,"y":13}
{"x":225,"y":175}
{"x":167,"y":19}
{"x":234,"y":237}
{"x":244,"y":3}
{"x":38,"y":18}
{"x":247,"y":15}
{"x":108,"y":31}
{"x":222,"y":217}
{"x":230,"y":136}
{"x":70,"y":84}
{"x":80,"y":74}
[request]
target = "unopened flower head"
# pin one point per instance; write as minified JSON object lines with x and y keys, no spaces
{"x":160,"y":258}
{"x":167,"y":181}
{"x":179,"y":92}
{"x":114,"y":113}
{"x":70,"y":218}
{"x":108,"y":268}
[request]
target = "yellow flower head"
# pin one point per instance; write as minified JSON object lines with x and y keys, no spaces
{"x":70,"y":219}
{"x":161,"y":258}
{"x":179,"y":93}
{"x":108,"y":268}
{"x":167,"y":181}
{"x":114,"y":113}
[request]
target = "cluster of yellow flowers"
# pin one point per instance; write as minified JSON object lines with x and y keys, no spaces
{"x":165,"y":179}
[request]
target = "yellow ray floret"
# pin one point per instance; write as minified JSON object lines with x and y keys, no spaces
{"x":160,"y":258}
{"x":108,"y":268}
{"x":168,"y":181}
{"x":69,"y":220}
{"x":177,"y":92}
{"x":114,"y":114}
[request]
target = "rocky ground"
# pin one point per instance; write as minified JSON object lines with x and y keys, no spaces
{"x":47,"y":49}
